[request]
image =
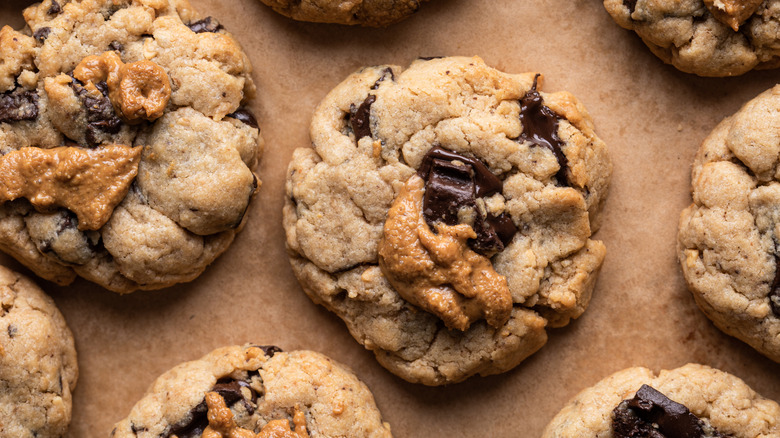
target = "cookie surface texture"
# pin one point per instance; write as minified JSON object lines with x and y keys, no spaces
{"x":262,"y":387}
{"x":727,"y":241}
{"x":374,"y":13}
{"x":129,"y":116}
{"x":720,"y":400}
{"x":446,"y":233}
{"x":705,"y":37}
{"x":38,"y":369}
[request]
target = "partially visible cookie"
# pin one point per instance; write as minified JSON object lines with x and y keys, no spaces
{"x":374,"y":13}
{"x":38,"y":369}
{"x":728,"y":237}
{"x":692,"y":401}
{"x":706,"y":37}
{"x":445,"y":214}
{"x":252,"y":389}
{"x":126,"y":153}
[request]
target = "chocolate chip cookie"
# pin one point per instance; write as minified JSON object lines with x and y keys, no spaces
{"x":241,"y":391}
{"x":445,"y":214}
{"x":705,"y":37}
{"x":127,"y":150}
{"x":693,"y":401}
{"x":374,"y":13}
{"x":38,"y":369}
{"x":728,"y":237}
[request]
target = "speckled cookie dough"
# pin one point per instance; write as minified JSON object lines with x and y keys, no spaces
{"x":254,"y":391}
{"x":38,"y":369}
{"x":693,"y":401}
{"x":728,"y":237}
{"x":374,"y":13}
{"x":445,"y":214}
{"x":706,"y":37}
{"x":87,"y":79}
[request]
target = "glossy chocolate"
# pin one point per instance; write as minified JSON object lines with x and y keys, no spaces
{"x":18,"y":105}
{"x":360,"y":118}
{"x":245,"y":116}
{"x":454,"y":181}
{"x":540,"y":127}
{"x":100,"y":112}
{"x":653,"y":415}
{"x":208,"y":24}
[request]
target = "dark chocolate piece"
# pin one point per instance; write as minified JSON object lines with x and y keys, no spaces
{"x":269,"y":350}
{"x":12,"y":331}
{"x":650,"y":414}
{"x":630,"y":4}
{"x":360,"y":118}
{"x":208,"y":24}
{"x":55,"y":8}
{"x":428,"y":58}
{"x":100,"y":113}
{"x":245,"y":116}
{"x":540,"y":127}
{"x":454,"y":182}
{"x":116,"y":46}
{"x":774,"y":291}
{"x":388,"y":72}
{"x":18,"y":105}
{"x":41,"y":34}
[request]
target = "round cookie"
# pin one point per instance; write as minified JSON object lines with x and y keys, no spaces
{"x":38,"y":369}
{"x":727,"y":240}
{"x":127,"y":152}
{"x":693,"y":401}
{"x":374,"y":13}
{"x":705,"y":37}
{"x":256,"y":389}
{"x":445,"y":214}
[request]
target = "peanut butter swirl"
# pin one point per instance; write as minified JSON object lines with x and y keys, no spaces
{"x":437,"y":271}
{"x":88,"y":182}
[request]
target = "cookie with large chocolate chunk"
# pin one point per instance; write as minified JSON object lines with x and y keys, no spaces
{"x":126,"y":150}
{"x":374,"y":13}
{"x":728,"y":237}
{"x":693,"y":401}
{"x":241,"y":391}
{"x":445,"y":214}
{"x":705,"y":37}
{"x":38,"y":368}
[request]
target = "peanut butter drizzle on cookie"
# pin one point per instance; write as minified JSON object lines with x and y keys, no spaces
{"x":88,"y":182}
{"x":223,"y":425}
{"x":732,"y":13}
{"x":139,"y":90}
{"x":438,"y":271}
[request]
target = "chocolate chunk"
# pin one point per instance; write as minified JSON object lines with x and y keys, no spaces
{"x":630,"y":4}
{"x":540,"y":127}
{"x":55,"y":8}
{"x":651,"y":414}
{"x":361,"y":118}
{"x":230,"y":391}
{"x":454,"y":182}
{"x":269,"y":350}
{"x":116,"y":46}
{"x":774,"y":291}
{"x":12,"y":331}
{"x":388,"y":72}
{"x":41,"y":34}
{"x":245,"y":116}
{"x":100,"y":113}
{"x":18,"y":105}
{"x":208,"y":24}
{"x":429,"y":58}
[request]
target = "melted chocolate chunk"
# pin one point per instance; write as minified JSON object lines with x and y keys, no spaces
{"x":18,"y":105}
{"x":55,"y":8}
{"x":429,"y":58}
{"x":388,"y":72}
{"x":454,"y":182}
{"x":630,"y":4}
{"x":540,"y":127}
{"x":243,"y":115}
{"x":100,"y":113}
{"x":208,"y":24}
{"x":774,"y":291}
{"x":650,"y":414}
{"x":41,"y":34}
{"x":269,"y":350}
{"x":360,"y":118}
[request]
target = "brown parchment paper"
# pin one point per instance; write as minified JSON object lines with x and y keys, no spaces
{"x":651,"y":116}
